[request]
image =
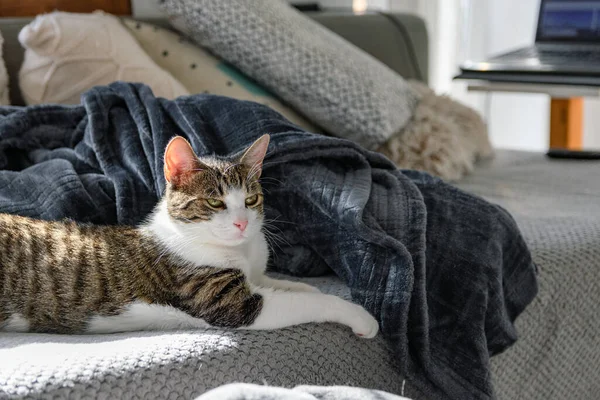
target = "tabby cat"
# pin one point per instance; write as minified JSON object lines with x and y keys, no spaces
{"x":199,"y":260}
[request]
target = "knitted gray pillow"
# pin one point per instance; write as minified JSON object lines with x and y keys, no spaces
{"x":338,"y":86}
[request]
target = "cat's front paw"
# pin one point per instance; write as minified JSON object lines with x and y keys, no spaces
{"x":364,"y":324}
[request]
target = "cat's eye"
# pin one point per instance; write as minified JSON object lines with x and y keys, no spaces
{"x":215,"y":203}
{"x":252,"y":200}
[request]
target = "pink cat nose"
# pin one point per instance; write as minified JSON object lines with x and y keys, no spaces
{"x":241,"y":224}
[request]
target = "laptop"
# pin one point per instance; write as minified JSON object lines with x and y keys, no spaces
{"x":567,"y":42}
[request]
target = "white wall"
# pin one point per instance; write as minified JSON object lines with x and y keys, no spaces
{"x":518,"y":121}
{"x":405,"y":5}
{"x":448,"y":26}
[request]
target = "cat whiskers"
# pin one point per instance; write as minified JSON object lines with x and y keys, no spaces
{"x":257,"y":168}
{"x":213,"y":193}
{"x":266,"y":181}
{"x":253,"y":171}
{"x":268,"y":164}
{"x":275,"y":238}
{"x":271,"y":179}
{"x":161,"y":255}
{"x":231,"y":166}
{"x":273,"y":242}
{"x":278,"y":220}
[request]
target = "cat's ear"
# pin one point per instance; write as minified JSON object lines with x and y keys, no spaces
{"x":255,"y":154}
{"x":180,"y":160}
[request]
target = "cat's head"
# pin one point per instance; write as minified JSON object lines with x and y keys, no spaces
{"x":215,"y":199}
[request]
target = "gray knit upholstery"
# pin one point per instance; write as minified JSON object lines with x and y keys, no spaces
{"x":557,"y":205}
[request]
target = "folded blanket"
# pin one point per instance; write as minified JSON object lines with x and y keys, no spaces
{"x":446,"y":273}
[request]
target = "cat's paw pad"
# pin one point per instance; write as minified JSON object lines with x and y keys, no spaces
{"x":365,"y":325}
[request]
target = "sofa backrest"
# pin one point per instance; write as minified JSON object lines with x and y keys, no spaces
{"x":398,"y":40}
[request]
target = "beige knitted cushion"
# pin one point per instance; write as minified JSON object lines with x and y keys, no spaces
{"x":67,"y":54}
{"x":4,"y":100}
{"x":201,"y":72}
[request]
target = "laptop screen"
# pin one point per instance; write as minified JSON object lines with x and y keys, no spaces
{"x":569,"y":21}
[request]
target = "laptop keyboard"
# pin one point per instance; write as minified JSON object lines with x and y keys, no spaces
{"x":558,"y":56}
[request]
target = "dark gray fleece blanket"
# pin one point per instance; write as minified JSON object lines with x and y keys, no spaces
{"x":446,"y":273}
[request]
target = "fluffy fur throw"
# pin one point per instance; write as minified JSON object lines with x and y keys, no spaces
{"x":443,"y":137}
